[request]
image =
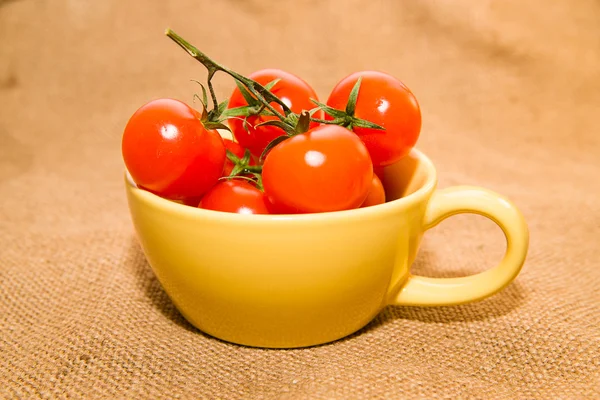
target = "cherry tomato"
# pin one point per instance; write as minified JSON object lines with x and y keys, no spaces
{"x":235,"y":196}
{"x":387,"y":102}
{"x":236,"y":149}
{"x":292,"y":90}
{"x":327,"y":168}
{"x":376,"y":193}
{"x":378,"y":171}
{"x":168,"y":151}
{"x":190,"y":201}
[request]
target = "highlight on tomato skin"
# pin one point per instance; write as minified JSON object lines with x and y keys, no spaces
{"x":235,"y":196}
{"x":325,"y":169}
{"x":168,"y":151}
{"x":385,"y":101}
{"x":291,"y":89}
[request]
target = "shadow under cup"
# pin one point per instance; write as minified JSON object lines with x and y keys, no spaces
{"x":288,"y":281}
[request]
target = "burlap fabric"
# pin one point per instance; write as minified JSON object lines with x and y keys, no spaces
{"x":510,"y":94}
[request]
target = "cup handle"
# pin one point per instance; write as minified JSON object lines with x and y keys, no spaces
{"x":424,"y":291}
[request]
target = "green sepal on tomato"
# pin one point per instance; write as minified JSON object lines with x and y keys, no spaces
{"x":239,"y":152}
{"x":384,"y":101}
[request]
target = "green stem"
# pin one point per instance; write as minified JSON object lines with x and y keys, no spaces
{"x":212,"y":90}
{"x":253,"y":169}
{"x":261,"y":93}
{"x":325,"y":121}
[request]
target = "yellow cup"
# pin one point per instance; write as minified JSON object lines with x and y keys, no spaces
{"x":286,"y":281}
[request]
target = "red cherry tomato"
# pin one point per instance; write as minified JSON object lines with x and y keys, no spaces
{"x":378,"y":171}
{"x":376,"y":193}
{"x":235,"y":196}
{"x":191,"y":201}
{"x":386,"y":101}
{"x":168,"y":151}
{"x":292,"y":90}
{"x":236,"y":149}
{"x":327,"y":168}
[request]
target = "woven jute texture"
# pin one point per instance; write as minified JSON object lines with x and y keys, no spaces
{"x":510,"y":95}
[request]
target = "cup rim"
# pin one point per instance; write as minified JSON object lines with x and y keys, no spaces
{"x":170,"y":206}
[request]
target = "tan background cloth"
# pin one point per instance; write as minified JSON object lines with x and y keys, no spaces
{"x":510,"y":94}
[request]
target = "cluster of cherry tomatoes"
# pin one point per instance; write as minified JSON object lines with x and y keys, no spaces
{"x":330,"y":165}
